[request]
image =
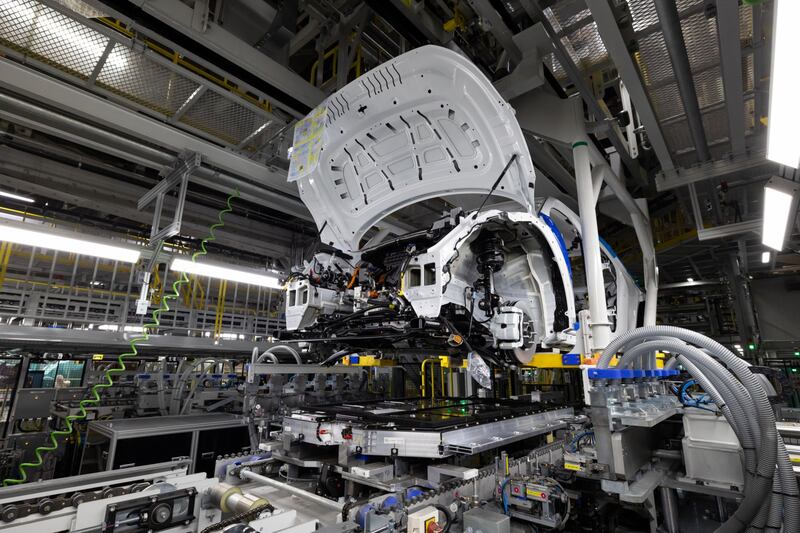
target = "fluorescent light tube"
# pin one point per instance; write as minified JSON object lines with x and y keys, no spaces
{"x":780,"y":207}
{"x":765,"y":257}
{"x":221,"y":272}
{"x":16,"y":197}
{"x":57,"y":241}
{"x":784,"y":113}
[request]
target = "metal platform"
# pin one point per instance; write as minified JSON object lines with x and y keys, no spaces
{"x":424,"y":428}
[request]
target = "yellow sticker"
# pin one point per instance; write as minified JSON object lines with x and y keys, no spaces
{"x":97,"y":357}
{"x":572,"y":466}
{"x":535,"y":493}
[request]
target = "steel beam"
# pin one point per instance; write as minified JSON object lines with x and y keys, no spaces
{"x":729,"y":230}
{"x":615,"y":45}
{"x":261,"y":369}
{"x":673,"y":37}
{"x":730,"y":49}
{"x":576,"y":77}
{"x":752,"y":165}
{"x":179,"y":16}
{"x":35,"y":338}
{"x":80,"y":187}
{"x":689,"y":284}
{"x":79,"y":102}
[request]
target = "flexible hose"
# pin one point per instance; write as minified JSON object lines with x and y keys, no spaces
{"x":771,"y":511}
{"x":272,"y":350}
{"x":771,"y":443}
{"x":755,"y":487}
{"x":120,"y":367}
{"x":448,"y":518}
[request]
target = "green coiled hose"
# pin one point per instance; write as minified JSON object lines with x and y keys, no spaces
{"x":154,"y":323}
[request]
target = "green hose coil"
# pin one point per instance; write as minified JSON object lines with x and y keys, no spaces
{"x":154,"y":323}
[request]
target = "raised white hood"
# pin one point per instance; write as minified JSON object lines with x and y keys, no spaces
{"x":423,"y":125}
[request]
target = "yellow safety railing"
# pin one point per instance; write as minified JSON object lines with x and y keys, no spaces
{"x":180,"y":60}
{"x":332,"y":56}
{"x":5,"y":255}
{"x":220,"y":312}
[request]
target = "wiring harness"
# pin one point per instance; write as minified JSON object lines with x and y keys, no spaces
{"x":688,"y":399}
{"x":94,"y":399}
{"x":771,"y":498}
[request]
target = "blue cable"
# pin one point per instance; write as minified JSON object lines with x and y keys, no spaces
{"x":572,"y":446}
{"x":503,"y":494}
{"x":697,"y":403}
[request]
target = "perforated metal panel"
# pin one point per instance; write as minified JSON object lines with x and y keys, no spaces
{"x":716,"y":124}
{"x":587,"y":47}
{"x":700,"y":37}
{"x":746,"y":24}
{"x":71,"y":46}
{"x":37,"y":31}
{"x":750,"y":114}
{"x":584,"y":45}
{"x":567,"y":13}
{"x":666,"y":100}
{"x":643,"y":12}
{"x":748,"y":75}
{"x":709,"y":87}
{"x":654,"y":61}
{"x":131,"y":75}
{"x":223,"y":118}
{"x":677,"y":135}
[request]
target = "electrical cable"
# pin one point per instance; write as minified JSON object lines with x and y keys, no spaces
{"x":503,"y":494}
{"x":448,"y":518}
{"x":107,"y":375}
{"x":743,"y":399}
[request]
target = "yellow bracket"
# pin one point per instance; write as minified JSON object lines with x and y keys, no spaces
{"x":551,"y":360}
{"x":458,"y":22}
{"x":452,"y":362}
{"x":366,"y":360}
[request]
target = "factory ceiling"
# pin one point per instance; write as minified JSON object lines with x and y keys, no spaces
{"x":113,"y":92}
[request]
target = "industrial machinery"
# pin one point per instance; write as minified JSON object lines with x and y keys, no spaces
{"x":494,"y":282}
{"x":445,"y":378}
{"x":159,"y":497}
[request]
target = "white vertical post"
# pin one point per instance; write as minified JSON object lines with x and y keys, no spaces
{"x":600,"y":326}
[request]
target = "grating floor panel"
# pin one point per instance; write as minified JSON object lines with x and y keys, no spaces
{"x":71,"y":46}
{"x":133,"y":76}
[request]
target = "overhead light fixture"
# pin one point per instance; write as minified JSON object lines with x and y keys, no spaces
{"x":780,"y":206}
{"x":221,"y":272}
{"x":13,"y":196}
{"x":765,"y":256}
{"x":56,"y":240}
{"x":784,"y":113}
{"x":690,"y":280}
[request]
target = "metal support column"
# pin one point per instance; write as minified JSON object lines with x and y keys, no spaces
{"x":600,"y":326}
{"x":669,"y":508}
